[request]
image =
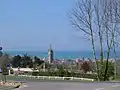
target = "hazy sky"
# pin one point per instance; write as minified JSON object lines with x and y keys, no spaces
{"x":34,"y":24}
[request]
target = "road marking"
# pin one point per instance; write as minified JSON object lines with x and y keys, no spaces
{"x":115,"y":85}
{"x":99,"y":89}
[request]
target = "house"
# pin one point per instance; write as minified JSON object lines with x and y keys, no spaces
{"x":22,"y":70}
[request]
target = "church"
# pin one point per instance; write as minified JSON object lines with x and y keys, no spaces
{"x":50,"y":55}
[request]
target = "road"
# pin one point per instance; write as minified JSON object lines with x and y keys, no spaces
{"x":70,"y":86}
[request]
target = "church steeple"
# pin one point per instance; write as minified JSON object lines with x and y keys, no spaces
{"x":50,"y":54}
{"x":50,"y":46}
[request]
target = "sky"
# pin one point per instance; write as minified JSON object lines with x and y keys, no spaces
{"x":35,"y":24}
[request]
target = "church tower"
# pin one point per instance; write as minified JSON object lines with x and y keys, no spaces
{"x":50,"y":55}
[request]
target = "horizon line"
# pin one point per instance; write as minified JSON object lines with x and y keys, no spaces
{"x":54,"y":50}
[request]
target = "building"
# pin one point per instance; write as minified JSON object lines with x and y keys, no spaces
{"x":0,"y":51}
{"x":50,"y":55}
{"x":0,"y":56}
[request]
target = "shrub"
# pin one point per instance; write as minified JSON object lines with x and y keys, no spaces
{"x":11,"y":71}
{"x":66,"y":78}
{"x":35,"y":73}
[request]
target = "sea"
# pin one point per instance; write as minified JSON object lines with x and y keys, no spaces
{"x":60,"y":54}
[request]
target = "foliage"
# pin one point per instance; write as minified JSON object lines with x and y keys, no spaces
{"x":11,"y":71}
{"x":99,"y":20}
{"x":35,"y":74}
{"x":67,"y":78}
{"x":16,"y":62}
{"x":85,"y":67}
{"x":61,"y":72}
{"x":110,"y":72}
{"x":38,"y":61}
{"x":4,"y":61}
{"x":25,"y":61}
{"x":65,"y":74}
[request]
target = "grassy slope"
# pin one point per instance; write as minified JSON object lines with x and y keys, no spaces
{"x":118,"y":78}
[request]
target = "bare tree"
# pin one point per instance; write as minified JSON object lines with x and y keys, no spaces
{"x":116,"y":8}
{"x":100,"y":33}
{"x":98,"y":23}
{"x":110,"y":24}
{"x":82,"y":19}
{"x":99,"y":19}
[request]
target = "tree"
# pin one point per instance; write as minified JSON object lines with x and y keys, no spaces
{"x":37,"y":64}
{"x":26,"y":61}
{"x":85,"y":67}
{"x":98,"y":23}
{"x":110,"y":72}
{"x":82,"y":19}
{"x":99,"y":20}
{"x":4,"y":61}
{"x":16,"y":61}
{"x":111,"y":10}
{"x":38,"y":60}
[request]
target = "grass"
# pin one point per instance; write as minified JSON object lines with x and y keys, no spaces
{"x":117,"y":78}
{"x":6,"y":88}
{"x":9,"y":79}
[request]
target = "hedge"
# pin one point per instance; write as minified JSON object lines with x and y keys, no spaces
{"x":65,"y":74}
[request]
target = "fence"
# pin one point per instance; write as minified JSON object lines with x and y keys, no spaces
{"x":54,"y":78}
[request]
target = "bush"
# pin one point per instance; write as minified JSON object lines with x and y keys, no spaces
{"x":35,"y":73}
{"x":65,"y":74}
{"x":11,"y":71}
{"x":66,"y":78}
{"x":91,"y":76}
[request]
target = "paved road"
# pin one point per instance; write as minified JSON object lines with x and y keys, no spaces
{"x":70,"y":86}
